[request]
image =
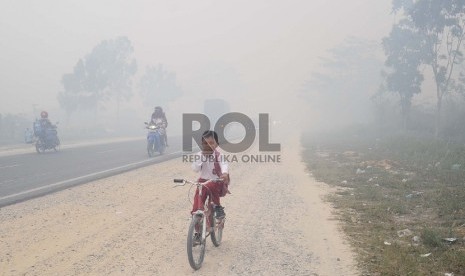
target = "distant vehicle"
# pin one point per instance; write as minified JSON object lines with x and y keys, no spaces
{"x":214,"y":109}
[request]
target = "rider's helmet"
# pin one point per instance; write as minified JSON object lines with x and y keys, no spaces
{"x":44,"y":114}
{"x":158,"y":108}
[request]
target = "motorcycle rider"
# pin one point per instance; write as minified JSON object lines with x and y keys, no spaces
{"x":159,"y":116}
{"x":47,"y":137}
{"x":44,"y":124}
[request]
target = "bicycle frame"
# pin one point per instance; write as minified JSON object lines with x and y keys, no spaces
{"x":207,"y":204}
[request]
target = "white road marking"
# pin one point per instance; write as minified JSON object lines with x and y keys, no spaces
{"x":10,"y":166}
{"x":7,"y":181}
{"x":105,"y":151}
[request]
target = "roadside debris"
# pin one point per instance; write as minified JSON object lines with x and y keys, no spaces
{"x":414,"y":194}
{"x":451,"y":240}
{"x":416,"y":240}
{"x":404,"y":233}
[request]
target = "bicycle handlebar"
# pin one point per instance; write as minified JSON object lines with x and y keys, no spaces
{"x":185,"y":181}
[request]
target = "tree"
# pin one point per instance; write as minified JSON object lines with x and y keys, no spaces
{"x":158,"y":86}
{"x":102,"y":75}
{"x":72,"y":97}
{"x":403,"y":58}
{"x":341,"y":89}
{"x":111,"y":67}
{"x":438,"y":27}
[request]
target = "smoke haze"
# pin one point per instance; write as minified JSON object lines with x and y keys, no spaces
{"x":255,"y":54}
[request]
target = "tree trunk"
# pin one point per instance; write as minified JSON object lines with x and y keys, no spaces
{"x":438,"y":115}
{"x":405,"y":110}
{"x":437,"y":126}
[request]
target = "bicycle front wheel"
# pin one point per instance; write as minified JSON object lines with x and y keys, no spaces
{"x":151,"y":149}
{"x":195,"y":243}
{"x":217,"y":229}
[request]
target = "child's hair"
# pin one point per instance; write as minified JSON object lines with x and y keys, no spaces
{"x":210,"y":133}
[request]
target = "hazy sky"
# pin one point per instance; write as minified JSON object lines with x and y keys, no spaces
{"x":272,"y":45}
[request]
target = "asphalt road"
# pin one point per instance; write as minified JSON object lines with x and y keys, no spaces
{"x":28,"y":175}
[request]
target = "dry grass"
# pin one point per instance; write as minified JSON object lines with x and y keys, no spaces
{"x":399,"y":198}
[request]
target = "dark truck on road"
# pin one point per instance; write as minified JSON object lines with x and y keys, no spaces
{"x":214,"y":109}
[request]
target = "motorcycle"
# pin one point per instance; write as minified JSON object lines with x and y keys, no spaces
{"x":155,"y":138}
{"x":47,"y":139}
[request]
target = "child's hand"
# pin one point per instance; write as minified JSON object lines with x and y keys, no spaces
{"x":208,"y":146}
{"x":211,"y":144}
{"x":225,"y":177}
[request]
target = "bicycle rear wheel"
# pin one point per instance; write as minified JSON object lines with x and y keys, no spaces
{"x":195,"y":243}
{"x":217,"y":229}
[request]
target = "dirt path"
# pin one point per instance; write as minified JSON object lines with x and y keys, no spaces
{"x":136,"y":224}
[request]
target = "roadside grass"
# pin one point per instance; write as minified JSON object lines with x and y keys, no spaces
{"x":401,"y":199}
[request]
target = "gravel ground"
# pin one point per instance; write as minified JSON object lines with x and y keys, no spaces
{"x":136,"y":224}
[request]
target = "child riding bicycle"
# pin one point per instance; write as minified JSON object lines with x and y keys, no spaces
{"x":211,"y":165}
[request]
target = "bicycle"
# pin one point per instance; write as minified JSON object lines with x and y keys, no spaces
{"x":203,"y":224}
